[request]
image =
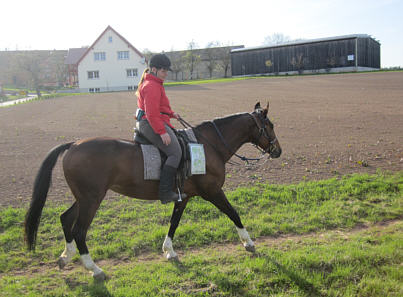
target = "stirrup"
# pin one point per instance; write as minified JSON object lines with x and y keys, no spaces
{"x":171,"y":197}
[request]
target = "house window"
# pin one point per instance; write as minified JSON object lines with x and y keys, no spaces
{"x":124,"y":55}
{"x":110,"y":39}
{"x":131,"y":72}
{"x":93,"y":74}
{"x":100,"y":56}
{"x":130,"y":88}
{"x":94,"y":90}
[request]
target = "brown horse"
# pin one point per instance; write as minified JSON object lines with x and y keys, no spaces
{"x":92,"y":166}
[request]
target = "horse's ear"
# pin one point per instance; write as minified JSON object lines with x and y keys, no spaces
{"x":268,"y":104}
{"x":257,"y":106}
{"x":266,"y":110}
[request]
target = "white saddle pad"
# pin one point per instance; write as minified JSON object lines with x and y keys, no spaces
{"x":153,"y":163}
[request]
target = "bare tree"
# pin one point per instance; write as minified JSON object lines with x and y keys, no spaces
{"x":191,"y":59}
{"x":276,"y":38}
{"x":224,"y":58}
{"x":211,"y":56}
{"x":147,"y":54}
{"x":61,"y":74}
{"x":31,"y":66}
{"x":177,"y":63}
{"x":330,"y":63}
{"x":298,"y":62}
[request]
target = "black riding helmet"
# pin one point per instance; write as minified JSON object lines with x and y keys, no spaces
{"x":160,"y":61}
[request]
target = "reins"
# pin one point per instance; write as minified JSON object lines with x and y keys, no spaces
{"x":243,"y":158}
{"x":187,"y":125}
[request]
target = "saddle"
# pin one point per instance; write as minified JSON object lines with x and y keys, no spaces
{"x":184,"y":136}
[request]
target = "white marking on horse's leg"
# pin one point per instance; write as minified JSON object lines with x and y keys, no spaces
{"x":67,"y":255}
{"x":245,"y":238}
{"x":168,"y":249}
{"x":89,"y":264}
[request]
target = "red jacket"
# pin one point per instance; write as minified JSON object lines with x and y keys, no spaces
{"x":153,"y":100}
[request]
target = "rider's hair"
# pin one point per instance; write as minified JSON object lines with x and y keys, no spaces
{"x":147,"y":70}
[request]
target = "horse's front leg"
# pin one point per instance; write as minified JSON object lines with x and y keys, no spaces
{"x":221,"y":202}
{"x":167,"y":246}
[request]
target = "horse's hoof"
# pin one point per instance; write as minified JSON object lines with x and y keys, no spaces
{"x":173,"y":259}
{"x":171,"y":255}
{"x":99,"y":277}
{"x":61,"y":263}
{"x":250,"y":248}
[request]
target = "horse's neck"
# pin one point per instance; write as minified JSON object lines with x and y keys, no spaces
{"x":235,"y":133}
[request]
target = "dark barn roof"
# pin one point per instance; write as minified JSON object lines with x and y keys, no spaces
{"x":305,"y":41}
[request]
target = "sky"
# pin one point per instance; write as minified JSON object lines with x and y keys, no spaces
{"x":172,"y":25}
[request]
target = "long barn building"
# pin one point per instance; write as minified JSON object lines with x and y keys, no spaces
{"x":358,"y":52}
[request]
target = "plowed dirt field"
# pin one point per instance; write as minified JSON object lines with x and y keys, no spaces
{"x":327,"y":125}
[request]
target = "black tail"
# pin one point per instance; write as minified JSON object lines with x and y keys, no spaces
{"x":39,"y":194}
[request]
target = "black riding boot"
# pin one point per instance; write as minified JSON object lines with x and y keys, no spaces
{"x":167,"y":180}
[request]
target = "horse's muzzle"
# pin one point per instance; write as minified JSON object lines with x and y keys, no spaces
{"x":275,"y":151}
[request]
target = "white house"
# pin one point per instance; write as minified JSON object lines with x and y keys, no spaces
{"x":111,"y":63}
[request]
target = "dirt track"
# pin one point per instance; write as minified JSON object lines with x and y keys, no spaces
{"x":328,"y":125}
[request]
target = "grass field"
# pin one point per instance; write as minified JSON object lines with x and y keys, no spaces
{"x":230,"y":79}
{"x":311,"y":241}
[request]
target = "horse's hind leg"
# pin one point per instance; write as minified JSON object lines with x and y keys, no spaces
{"x":67,"y":219}
{"x":86,"y":213}
{"x":221,"y":202}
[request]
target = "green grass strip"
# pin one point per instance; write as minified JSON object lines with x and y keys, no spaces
{"x":207,"y":81}
{"x":366,"y":263}
{"x":231,"y":79}
{"x":125,"y":227}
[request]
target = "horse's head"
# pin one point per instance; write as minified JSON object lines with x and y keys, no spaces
{"x":263,"y":134}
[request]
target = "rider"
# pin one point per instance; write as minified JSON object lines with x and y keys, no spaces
{"x":153,"y":117}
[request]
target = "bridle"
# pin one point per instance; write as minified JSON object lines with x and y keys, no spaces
{"x":262,"y":133}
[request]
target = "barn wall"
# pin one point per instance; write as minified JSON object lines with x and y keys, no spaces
{"x":369,"y":53}
{"x":310,"y":56}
